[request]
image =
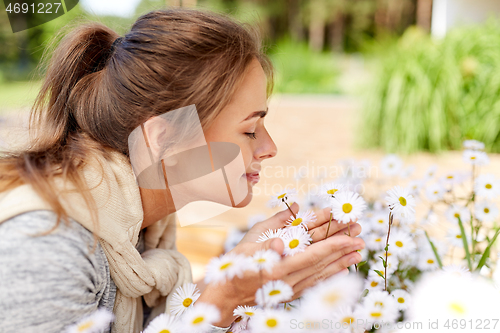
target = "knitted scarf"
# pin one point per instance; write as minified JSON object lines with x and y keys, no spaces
{"x":155,"y":273}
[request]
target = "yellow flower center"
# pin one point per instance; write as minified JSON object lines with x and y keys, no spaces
{"x":488,"y":186}
{"x":332,"y":191}
{"x":347,"y":208}
{"x":399,"y":244}
{"x":473,"y":157}
{"x":436,"y":192}
{"x":349,"y":320}
{"x":378,"y":240}
{"x":164,"y":331}
{"x":457,"y":215}
{"x":281,"y":196}
{"x":402,"y":201}
{"x":376,"y":314}
{"x":249,"y":313}
{"x":381,"y":221}
{"x":274,"y":292}
{"x":294,"y":243}
{"x":379,"y":304}
{"x":261,"y":260}
{"x":374,"y":284}
{"x":457,"y":308}
{"x":225,"y":266}
{"x":401,"y":300}
{"x":198,"y":320}
{"x":450,"y":177}
{"x":331,"y":298}
{"x":486,"y":210}
{"x":187,"y":302}
{"x":85,"y":326}
{"x":271,"y":323}
{"x":297,"y":221}
{"x":430,"y":261}
{"x":458,"y":236}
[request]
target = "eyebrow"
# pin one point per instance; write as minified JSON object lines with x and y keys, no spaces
{"x":260,"y":114}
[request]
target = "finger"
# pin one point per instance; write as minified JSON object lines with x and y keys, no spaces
{"x":322,"y":216}
{"x":316,"y":252}
{"x":311,"y":270}
{"x":335,"y":267}
{"x":319,"y":233}
{"x":354,"y":228}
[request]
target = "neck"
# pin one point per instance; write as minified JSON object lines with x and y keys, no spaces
{"x":156,"y":204}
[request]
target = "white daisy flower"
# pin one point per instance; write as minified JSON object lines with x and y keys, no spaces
{"x":486,"y":211}
{"x":240,"y":325}
{"x":454,"y":236}
{"x":392,"y":264}
{"x":273,"y":321}
{"x":455,"y":211}
{"x":336,"y":291}
{"x":427,"y":261}
{"x":265,"y":260}
{"x":459,"y":271}
{"x":273,"y":293}
{"x":435,"y":192}
{"x":391,"y":165}
{"x":473,"y":145}
{"x":269,"y":234}
{"x":375,"y":242}
{"x":430,"y":173}
{"x":328,"y":190}
{"x":373,"y":283}
{"x":163,"y":323}
{"x":96,"y":322}
{"x":402,"y":298}
{"x":401,"y":202}
{"x":453,"y":178}
{"x":225,"y":267}
{"x":374,"y":315}
{"x":347,"y":319}
{"x":348,"y":207}
{"x":200,"y":317}
{"x":381,"y":299}
{"x":476,"y":157}
{"x":414,"y":187}
{"x":296,"y":240}
{"x":183,"y":298}
{"x":401,"y":244}
{"x":286,"y":196}
{"x":487,"y":186}
{"x":302,"y":219}
{"x":245,"y":312}
{"x":380,"y":221}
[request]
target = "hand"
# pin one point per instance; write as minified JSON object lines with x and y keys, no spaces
{"x":321,"y":260}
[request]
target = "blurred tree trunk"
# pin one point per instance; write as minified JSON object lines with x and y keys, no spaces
{"x":181,"y":3}
{"x":317,"y":25}
{"x":337,"y":33}
{"x":295,"y":20}
{"x":424,"y":14}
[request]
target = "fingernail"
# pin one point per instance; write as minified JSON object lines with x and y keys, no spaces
{"x":353,"y":260}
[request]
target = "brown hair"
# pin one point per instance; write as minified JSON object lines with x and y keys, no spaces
{"x":96,"y":92}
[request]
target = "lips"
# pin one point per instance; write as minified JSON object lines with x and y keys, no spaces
{"x":253,"y":177}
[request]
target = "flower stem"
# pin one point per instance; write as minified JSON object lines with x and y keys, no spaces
{"x":349,"y":231}
{"x":387,"y":249}
{"x":329,"y":223}
{"x":293,"y":214}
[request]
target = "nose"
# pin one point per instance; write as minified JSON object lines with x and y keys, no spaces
{"x":267,"y":148}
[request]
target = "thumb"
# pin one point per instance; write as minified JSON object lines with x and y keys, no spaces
{"x":275,"y":244}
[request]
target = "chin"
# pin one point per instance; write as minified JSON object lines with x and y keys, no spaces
{"x":247,"y":199}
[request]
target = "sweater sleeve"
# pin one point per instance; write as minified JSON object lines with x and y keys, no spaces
{"x":49,"y":282}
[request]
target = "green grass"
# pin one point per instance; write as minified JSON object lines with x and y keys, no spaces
{"x":300,"y":70}
{"x":430,"y":95}
{"x":15,"y":95}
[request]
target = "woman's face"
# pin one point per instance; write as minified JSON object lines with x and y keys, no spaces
{"x":242,"y":122}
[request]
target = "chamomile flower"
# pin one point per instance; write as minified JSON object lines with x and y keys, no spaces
{"x":348,"y":207}
{"x":414,"y":187}
{"x":163,"y":323}
{"x":245,"y":312}
{"x":430,"y":173}
{"x":269,"y":234}
{"x":486,"y":211}
{"x":273,"y":321}
{"x":473,"y":144}
{"x":476,"y":157}
{"x":453,"y":178}
{"x":374,"y":315}
{"x":200,"y":317}
{"x":402,"y":298}
{"x":96,"y":322}
{"x":374,"y":283}
{"x":225,"y":267}
{"x":381,"y":299}
{"x":456,"y":211}
{"x":401,"y":202}
{"x":283,"y":197}
{"x":401,"y":244}
{"x":454,"y":236}
{"x":380,"y":221}
{"x":487,"y":186}
{"x":296,"y":240}
{"x":375,"y":242}
{"x":183,"y":298}
{"x":459,"y":271}
{"x":346,"y":319}
{"x":273,"y":293}
{"x":265,"y":260}
{"x":391,"y":165}
{"x":302,"y":219}
{"x":427,"y":261}
{"x":435,"y":192}
{"x":339,"y":290}
{"x":328,"y":190}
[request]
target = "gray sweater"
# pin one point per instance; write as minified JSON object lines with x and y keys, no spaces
{"x":50,"y":282}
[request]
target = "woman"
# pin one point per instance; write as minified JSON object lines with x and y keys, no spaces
{"x":116,"y":246}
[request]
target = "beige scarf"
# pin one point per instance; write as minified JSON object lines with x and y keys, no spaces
{"x":155,"y":273}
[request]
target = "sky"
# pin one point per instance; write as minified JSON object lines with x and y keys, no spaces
{"x":123,"y":8}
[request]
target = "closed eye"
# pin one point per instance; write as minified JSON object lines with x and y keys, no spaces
{"x":251,"y":135}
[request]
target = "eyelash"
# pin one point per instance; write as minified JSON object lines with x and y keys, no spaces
{"x":251,"y":135}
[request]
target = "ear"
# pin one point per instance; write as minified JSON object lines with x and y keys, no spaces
{"x":157,"y":133}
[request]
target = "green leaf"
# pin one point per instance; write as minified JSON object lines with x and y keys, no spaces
{"x":361,"y":263}
{"x":466,"y":245}
{"x":383,"y":261}
{"x":379,"y":273}
{"x":436,"y":254}
{"x":364,"y":293}
{"x":486,"y":253}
